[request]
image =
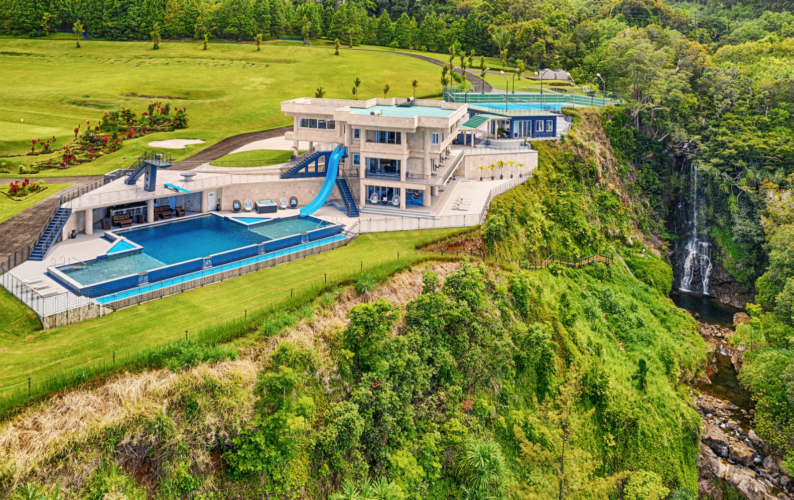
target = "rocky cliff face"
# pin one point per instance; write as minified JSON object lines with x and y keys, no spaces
{"x":725,"y":287}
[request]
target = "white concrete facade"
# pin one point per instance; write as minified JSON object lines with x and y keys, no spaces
{"x":394,"y":145}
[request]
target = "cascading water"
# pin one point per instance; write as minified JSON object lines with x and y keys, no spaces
{"x":697,"y":250}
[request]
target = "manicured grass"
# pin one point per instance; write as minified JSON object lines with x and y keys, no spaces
{"x":133,"y":330}
{"x":228,"y":89}
{"x":10,"y":207}
{"x":18,"y":320}
{"x":258,"y":158}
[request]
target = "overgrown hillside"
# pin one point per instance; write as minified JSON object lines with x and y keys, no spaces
{"x":457,"y":380}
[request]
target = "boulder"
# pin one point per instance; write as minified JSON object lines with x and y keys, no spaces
{"x":757,"y":441}
{"x":744,"y":481}
{"x":742,"y":454}
{"x":741,"y":318}
{"x":714,"y":437}
{"x":710,"y":465}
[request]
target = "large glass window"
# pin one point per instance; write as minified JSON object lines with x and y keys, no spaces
{"x":356,"y":133}
{"x":387,"y":137}
{"x":435,"y":138}
{"x":318,"y":123}
{"x":379,"y":167}
{"x":356,"y":160}
{"x":539,"y":126}
{"x":381,"y":195}
{"x":549,"y":125}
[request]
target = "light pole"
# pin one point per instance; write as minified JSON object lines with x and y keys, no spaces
{"x":605,"y":87}
{"x":507,"y":87}
{"x":540,"y":75}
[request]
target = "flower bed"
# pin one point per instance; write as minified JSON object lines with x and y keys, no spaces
{"x":108,"y":135}
{"x":20,"y":189}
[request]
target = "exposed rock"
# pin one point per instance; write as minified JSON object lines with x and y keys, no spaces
{"x":772,"y":464}
{"x":744,"y":481}
{"x":741,"y":318}
{"x":714,"y":437}
{"x":757,"y":441}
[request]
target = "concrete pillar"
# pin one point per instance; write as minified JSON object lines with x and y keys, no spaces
{"x":362,"y":193}
{"x":149,"y":211}
{"x":426,"y":197}
{"x":403,"y":197}
{"x":426,"y":167}
{"x":434,"y":190}
{"x":89,"y":221}
{"x":311,"y":145}
{"x":295,"y":147}
{"x":403,"y":167}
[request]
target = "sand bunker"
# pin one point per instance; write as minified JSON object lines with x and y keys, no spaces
{"x":175,"y":143}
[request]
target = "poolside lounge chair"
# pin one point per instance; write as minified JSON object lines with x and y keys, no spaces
{"x":237,"y":206}
{"x":282,"y":204}
{"x":248,"y":205}
{"x":164,"y":212}
{"x":33,"y":281}
{"x":180,"y":211}
{"x":293,"y":202}
{"x":123,"y":220}
{"x":49,"y":293}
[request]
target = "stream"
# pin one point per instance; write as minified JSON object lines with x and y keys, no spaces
{"x":730,"y":451}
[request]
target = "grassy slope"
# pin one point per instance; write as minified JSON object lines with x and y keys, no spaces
{"x":229,"y":88}
{"x":9,"y":207}
{"x":18,"y":320}
{"x":155,"y":323}
{"x":256,"y":158}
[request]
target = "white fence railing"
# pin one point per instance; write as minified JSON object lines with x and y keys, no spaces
{"x":42,"y":305}
{"x":388,"y":224}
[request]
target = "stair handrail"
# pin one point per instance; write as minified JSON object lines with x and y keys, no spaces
{"x":349,"y":186}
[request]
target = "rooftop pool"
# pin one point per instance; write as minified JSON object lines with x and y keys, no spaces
{"x":167,"y":249}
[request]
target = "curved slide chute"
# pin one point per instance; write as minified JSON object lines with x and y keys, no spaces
{"x":331,"y":171}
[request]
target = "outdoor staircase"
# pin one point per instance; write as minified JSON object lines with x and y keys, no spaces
{"x":347,"y":197}
{"x":303,"y":163}
{"x":51,"y":234}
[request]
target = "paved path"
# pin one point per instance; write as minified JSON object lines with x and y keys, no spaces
{"x":20,"y":231}
{"x":226,"y":146}
{"x":470,"y":75}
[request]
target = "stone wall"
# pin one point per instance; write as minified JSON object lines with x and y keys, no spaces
{"x":304,"y":189}
{"x":76,"y":315}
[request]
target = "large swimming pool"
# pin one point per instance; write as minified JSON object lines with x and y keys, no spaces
{"x":525,"y":107}
{"x":198,"y":242}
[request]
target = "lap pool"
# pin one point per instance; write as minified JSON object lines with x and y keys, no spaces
{"x":165,"y":250}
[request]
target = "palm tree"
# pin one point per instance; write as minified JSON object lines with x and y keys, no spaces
{"x":414,"y":85}
{"x":502,"y":38}
{"x":356,"y":84}
{"x":482,"y":168}
{"x":78,"y":31}
{"x":319,"y":93}
{"x":500,"y":165}
{"x":386,"y":89}
{"x":482,"y":469}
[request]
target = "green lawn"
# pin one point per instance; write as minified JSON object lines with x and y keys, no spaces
{"x":258,"y":158}
{"x":228,"y":89}
{"x":10,"y":207}
{"x":45,"y":352}
{"x":18,"y":320}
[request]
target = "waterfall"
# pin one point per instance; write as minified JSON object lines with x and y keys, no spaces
{"x":697,"y":250}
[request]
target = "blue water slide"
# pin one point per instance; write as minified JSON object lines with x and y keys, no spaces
{"x":331,"y":171}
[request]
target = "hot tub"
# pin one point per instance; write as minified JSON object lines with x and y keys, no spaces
{"x":266,"y":207}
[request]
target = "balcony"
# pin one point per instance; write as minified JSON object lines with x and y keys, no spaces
{"x":382,"y":174}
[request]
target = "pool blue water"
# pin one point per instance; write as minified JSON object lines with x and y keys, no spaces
{"x":524,"y":107}
{"x":97,"y":271}
{"x":250,"y":220}
{"x":287,"y":227}
{"x":220,"y":269}
{"x":167,"y":244}
{"x":120,"y":247}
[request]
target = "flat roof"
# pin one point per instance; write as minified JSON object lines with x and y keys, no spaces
{"x":405,"y":111}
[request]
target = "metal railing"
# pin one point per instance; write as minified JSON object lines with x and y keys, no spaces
{"x":21,"y":255}
{"x":347,"y":174}
{"x":41,"y":305}
{"x":548,"y":97}
{"x":564,"y":261}
{"x":388,"y":224}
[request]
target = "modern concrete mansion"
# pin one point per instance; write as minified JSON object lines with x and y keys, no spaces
{"x":400,"y":153}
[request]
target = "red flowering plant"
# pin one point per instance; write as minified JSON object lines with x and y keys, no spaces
{"x":24,"y":188}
